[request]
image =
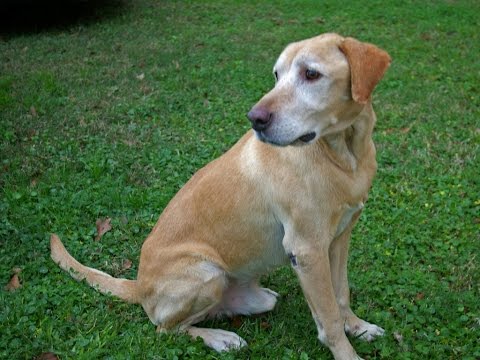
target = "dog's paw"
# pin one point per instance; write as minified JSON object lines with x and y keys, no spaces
{"x":363,"y":330}
{"x":270,"y":292}
{"x":269,"y":300}
{"x":219,"y":340}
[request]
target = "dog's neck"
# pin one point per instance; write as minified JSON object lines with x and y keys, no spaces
{"x":348,"y":147}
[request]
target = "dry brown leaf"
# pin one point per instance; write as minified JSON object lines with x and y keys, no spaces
{"x":265,"y":325}
{"x":237,"y":322}
{"x":32,"y":133}
{"x":146,"y":89}
{"x":47,"y":356}
{"x":426,"y":36}
{"x":33,"y":111}
{"x":127,"y":264}
{"x":103,"y":226}
{"x":14,"y":283}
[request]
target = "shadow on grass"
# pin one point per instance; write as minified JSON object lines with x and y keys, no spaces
{"x":18,"y":17}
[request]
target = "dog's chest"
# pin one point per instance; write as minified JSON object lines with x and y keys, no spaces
{"x":347,"y":216}
{"x":272,"y":256}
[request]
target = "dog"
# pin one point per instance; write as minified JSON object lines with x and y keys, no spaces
{"x":289,"y":191}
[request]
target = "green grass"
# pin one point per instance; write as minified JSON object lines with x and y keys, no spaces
{"x":82,"y":136}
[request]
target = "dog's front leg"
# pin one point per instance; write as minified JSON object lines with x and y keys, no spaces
{"x":310,"y":259}
{"x":338,"y":261}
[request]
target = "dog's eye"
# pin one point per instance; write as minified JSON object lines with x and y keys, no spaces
{"x":312,"y":74}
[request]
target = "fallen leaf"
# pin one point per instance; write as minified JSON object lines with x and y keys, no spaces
{"x":265,"y":325}
{"x":141,"y":76}
{"x":405,"y":130}
{"x":127,"y":264}
{"x":110,"y":304}
{"x":420,"y":296}
{"x":32,"y":133}
{"x":237,"y":322}
{"x":146,"y":89}
{"x":278,"y":22}
{"x":33,"y":111}
{"x":103,"y":226}
{"x":177,"y":64}
{"x":14,"y":283}
{"x":47,"y":356}
{"x":426,"y":36}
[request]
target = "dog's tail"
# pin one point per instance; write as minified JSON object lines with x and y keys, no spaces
{"x":122,"y":288}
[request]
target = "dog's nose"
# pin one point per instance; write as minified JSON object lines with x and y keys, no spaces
{"x":260,"y":118}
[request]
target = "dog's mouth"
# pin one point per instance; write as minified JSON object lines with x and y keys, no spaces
{"x":307,"y":137}
{"x":304,"y":139}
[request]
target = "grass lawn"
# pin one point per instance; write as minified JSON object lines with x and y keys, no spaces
{"x":110,"y":113}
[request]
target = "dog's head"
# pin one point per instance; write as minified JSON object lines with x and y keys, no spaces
{"x":321,"y":85}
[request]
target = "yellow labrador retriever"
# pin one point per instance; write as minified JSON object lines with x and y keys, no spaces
{"x":291,"y":190}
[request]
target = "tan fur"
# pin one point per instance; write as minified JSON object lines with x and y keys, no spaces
{"x":259,"y":204}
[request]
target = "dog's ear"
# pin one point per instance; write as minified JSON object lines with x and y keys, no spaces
{"x":367,"y":63}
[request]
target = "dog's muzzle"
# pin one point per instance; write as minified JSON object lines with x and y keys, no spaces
{"x":260,"y":118}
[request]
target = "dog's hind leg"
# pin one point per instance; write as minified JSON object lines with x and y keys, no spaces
{"x":217,"y":339}
{"x":245,"y":298}
{"x":185,"y":299}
